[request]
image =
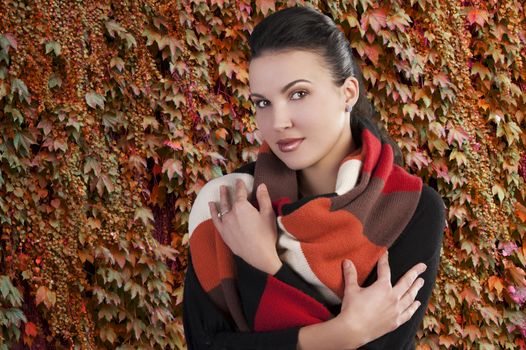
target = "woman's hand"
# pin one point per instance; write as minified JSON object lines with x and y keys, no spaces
{"x":367,"y":313}
{"x":249,"y":233}
{"x":380,"y":308}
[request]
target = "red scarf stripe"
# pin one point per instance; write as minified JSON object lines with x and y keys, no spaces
{"x":205,"y":242}
{"x":326,"y":244}
{"x":297,"y":308}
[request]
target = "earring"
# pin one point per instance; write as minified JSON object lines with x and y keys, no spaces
{"x":348,"y":109}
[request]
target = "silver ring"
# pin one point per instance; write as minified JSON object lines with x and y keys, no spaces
{"x":220,"y":215}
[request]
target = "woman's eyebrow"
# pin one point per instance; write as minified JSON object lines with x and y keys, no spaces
{"x":285,"y":88}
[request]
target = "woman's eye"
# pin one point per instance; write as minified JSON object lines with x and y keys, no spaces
{"x":298,"y":94}
{"x":261,"y":103}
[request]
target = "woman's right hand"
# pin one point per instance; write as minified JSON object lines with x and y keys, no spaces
{"x":368,"y":313}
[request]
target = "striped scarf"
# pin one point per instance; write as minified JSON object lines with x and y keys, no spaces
{"x":373,"y":202}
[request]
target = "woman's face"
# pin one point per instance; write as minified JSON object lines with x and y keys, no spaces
{"x":300,"y":112}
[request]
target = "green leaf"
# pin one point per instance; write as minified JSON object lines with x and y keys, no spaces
{"x":107,"y":334}
{"x":114,"y":28}
{"x":93,"y":100}
{"x":6,"y":41}
{"x":172,"y":166}
{"x":118,"y":63}
{"x":54,"y":81}
{"x":54,"y":47}
{"x":8,"y":291}
{"x":107,"y":312}
{"x":23,"y":139}
{"x":144,"y":214}
{"x":20,"y":88}
{"x":498,"y":190}
{"x":15,"y":113}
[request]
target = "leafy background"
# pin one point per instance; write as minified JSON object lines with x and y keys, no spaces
{"x":114,"y":114}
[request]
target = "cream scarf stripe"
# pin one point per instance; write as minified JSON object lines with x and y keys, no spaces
{"x":210,"y":193}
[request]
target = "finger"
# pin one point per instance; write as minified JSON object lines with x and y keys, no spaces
{"x":409,"y":297}
{"x":350,"y":276}
{"x":224,"y":199}
{"x":241,"y":191}
{"x":408,"y":313}
{"x":264,"y":201}
{"x":407,"y":280}
{"x":213,"y":213}
{"x":384,"y":271}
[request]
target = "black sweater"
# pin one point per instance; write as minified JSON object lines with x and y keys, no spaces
{"x":207,"y":327}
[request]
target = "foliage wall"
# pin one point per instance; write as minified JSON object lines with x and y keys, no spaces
{"x":114,"y":114}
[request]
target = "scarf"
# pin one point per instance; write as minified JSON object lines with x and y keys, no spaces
{"x":372,"y":203}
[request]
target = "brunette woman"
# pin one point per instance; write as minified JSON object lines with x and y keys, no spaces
{"x":325,"y":242}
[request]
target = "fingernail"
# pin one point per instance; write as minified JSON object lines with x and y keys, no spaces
{"x":262,"y":187}
{"x":346,"y":264}
{"x":423,"y":268}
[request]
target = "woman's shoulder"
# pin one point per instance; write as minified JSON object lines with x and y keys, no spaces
{"x":210,"y":192}
{"x":431,"y":199}
{"x":431,"y":210}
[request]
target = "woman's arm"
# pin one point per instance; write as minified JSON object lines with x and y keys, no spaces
{"x":367,"y":313}
{"x":421,"y":241}
{"x":206,"y":327}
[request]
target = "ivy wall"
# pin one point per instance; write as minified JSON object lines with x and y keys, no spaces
{"x":113,"y":114}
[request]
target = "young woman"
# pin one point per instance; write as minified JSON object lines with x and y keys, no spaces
{"x":291,"y":251}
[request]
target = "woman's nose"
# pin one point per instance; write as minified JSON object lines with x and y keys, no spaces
{"x":282,"y":118}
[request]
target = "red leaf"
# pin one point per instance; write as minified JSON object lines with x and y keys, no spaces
{"x":478,"y":16}
{"x":457,"y":134}
{"x":372,"y":52}
{"x":399,"y":21}
{"x":31,"y":329}
{"x":376,"y":19}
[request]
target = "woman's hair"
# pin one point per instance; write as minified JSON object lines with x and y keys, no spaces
{"x":303,"y":28}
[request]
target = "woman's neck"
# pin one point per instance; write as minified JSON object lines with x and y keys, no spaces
{"x":320,"y":178}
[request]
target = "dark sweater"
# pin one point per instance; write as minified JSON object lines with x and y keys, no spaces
{"x":207,"y":327}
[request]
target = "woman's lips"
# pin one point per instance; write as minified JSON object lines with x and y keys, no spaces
{"x":289,"y":145}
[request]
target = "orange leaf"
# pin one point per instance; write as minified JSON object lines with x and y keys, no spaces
{"x":520,"y":211}
{"x":495,"y":282}
{"x":265,"y":6}
{"x":44,"y":295}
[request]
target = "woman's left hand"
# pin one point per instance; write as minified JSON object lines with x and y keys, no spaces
{"x":249,"y":233}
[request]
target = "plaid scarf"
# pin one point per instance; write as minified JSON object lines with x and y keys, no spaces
{"x":373,"y":202}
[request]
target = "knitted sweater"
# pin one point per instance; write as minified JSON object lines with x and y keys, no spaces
{"x":206,"y":326}
{"x":374,"y":201}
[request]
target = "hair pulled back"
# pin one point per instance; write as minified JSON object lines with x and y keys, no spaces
{"x":304,"y":28}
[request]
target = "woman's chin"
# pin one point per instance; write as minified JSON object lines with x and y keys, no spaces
{"x":294,"y":164}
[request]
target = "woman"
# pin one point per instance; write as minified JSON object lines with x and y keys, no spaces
{"x":290,"y":252}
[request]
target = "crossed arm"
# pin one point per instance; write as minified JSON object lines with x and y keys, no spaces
{"x":366,"y":313}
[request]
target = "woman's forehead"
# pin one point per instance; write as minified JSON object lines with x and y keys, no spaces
{"x":280,"y":68}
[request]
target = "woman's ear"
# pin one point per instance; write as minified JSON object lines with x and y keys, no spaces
{"x":351,"y":91}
